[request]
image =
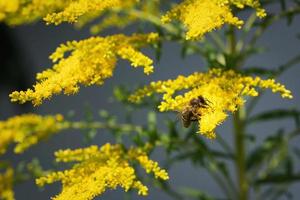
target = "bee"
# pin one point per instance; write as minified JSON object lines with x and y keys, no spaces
{"x":190,"y":113}
{"x":199,"y":102}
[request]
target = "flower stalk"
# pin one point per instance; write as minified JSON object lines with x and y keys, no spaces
{"x":240,"y":161}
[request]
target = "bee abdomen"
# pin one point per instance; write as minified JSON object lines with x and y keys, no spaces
{"x":186,"y":123}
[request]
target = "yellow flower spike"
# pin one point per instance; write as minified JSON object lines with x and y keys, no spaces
{"x":136,"y":58}
{"x":27,"y":130}
{"x":80,"y":12}
{"x":6,"y":184}
{"x":260,"y":12}
{"x":98,"y":169}
{"x":78,"y":8}
{"x":149,"y":165}
{"x":203,"y":16}
{"x":89,"y":62}
{"x":223,"y":92}
{"x":16,"y":12}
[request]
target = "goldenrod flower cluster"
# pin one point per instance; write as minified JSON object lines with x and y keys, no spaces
{"x":16,"y":12}
{"x":98,"y":169}
{"x":6,"y":184}
{"x":7,"y":7}
{"x":89,"y":62}
{"x":202,"y":16}
{"x":27,"y":130}
{"x":115,"y":13}
{"x":78,"y":8}
{"x":223,"y":91}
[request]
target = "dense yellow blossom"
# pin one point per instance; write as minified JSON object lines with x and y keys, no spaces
{"x":16,"y":12}
{"x":6,"y":184}
{"x":98,"y":169}
{"x":223,"y":91}
{"x":113,"y":13}
{"x":78,"y":8}
{"x":8,"y":7}
{"x":27,"y":130}
{"x":89,"y":62}
{"x":202,"y":16}
{"x":106,"y":13}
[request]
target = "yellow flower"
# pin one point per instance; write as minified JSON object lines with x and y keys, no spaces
{"x":71,"y":12}
{"x":89,"y":62}
{"x":97,"y":169}
{"x":222,"y":90}
{"x":202,"y":16}
{"x":82,"y":12}
{"x":27,"y":130}
{"x":16,"y":12}
{"x":7,"y":7}
{"x":260,"y":12}
{"x":112,"y":13}
{"x":6,"y":184}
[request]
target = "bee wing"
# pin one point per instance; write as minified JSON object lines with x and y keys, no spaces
{"x":185,"y":123}
{"x":178,"y":116}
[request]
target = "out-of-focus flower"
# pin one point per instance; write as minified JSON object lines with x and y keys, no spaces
{"x":6,"y":184}
{"x":16,"y":12}
{"x":27,"y":130}
{"x":104,"y":13}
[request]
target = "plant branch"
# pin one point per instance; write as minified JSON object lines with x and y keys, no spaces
{"x":239,"y":131}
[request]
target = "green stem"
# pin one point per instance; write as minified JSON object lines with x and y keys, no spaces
{"x":239,"y":129}
{"x":240,"y":163}
{"x":153,"y":19}
{"x":217,"y":39}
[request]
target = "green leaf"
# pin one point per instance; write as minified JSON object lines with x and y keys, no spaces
{"x":270,"y":146}
{"x":152,"y":122}
{"x":172,"y":135}
{"x":187,"y":49}
{"x":120,"y":93}
{"x":89,"y":134}
{"x":258,"y":71}
{"x":279,"y":178}
{"x":196,"y":194}
{"x":276,"y":115}
{"x":152,"y":127}
{"x":158,"y":45}
{"x":223,"y":168}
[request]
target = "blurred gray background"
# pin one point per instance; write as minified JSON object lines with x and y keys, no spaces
{"x":36,"y":42}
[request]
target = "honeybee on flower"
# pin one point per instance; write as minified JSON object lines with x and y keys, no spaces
{"x":225,"y":91}
{"x":193,"y":111}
